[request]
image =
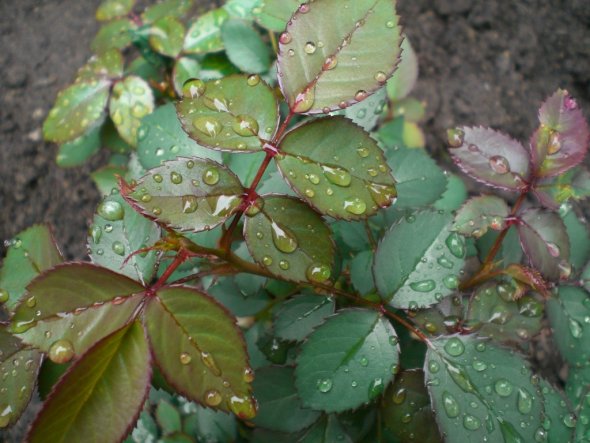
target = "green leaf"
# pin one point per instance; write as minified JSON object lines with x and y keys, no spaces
{"x":404,"y":78}
{"x":209,"y":424}
{"x":330,"y":64}
{"x":349,"y":184}
{"x":161,"y":138}
{"x":280,"y":407}
{"x":101,"y":395}
{"x":200,"y":350}
{"x":579,"y":237}
{"x":510,"y":251}
{"x":481,"y":213}
{"x":482,"y":392}
{"x":188,"y":194}
{"x":347,"y":362}
{"x":111,"y":9}
{"x":78,"y":108}
{"x":167,"y":36}
{"x":244,"y":46}
{"x":237,"y":113}
{"x":290,"y":240}
{"x":132,"y":100}
{"x":583,"y":426}
{"x":419,"y":180}
{"x":106,"y":65}
{"x":172,"y":8}
{"x":367,"y":113}
{"x":242,"y":294}
{"x":296,"y":318}
{"x":326,"y":430}
{"x":116,"y":34}
{"x":117,"y":233}
{"x":185,"y":68}
{"x":493,"y":313}
{"x":274,"y":14}
{"x":204,"y":35}
{"x":545,"y":241}
{"x":30,"y":253}
{"x":418,"y":261}
{"x":23,"y":366}
{"x":454,"y":196}
{"x":146,"y":429}
{"x":242,"y":8}
{"x":105,"y":178}
{"x":407,"y":412}
{"x":567,"y":315}
{"x":65,"y":320}
{"x":361,"y":272}
{"x":76,"y":152}
{"x":168,"y":417}
{"x":573,"y":184}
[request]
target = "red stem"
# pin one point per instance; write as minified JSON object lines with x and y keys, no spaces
{"x":178,"y":260}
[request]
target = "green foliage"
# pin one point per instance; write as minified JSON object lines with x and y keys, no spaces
{"x":270,"y":276}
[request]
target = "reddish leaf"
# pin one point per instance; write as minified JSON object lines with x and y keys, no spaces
{"x":481,"y":213}
{"x":545,"y":241}
{"x":561,"y":142}
{"x":490,"y":157}
{"x":200,"y":350}
{"x":101,"y":395}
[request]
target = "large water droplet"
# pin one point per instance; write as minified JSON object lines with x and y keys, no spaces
{"x":185,"y":358}
{"x":355,"y":205}
{"x":399,"y":396}
{"x":193,"y":88}
{"x":175,"y":178}
{"x":253,"y":80}
{"x":208,"y":126}
{"x":553,"y":249}
{"x":95,"y":233}
{"x":285,"y":38}
{"x":61,"y":351}
{"x":575,"y":328}
{"x":325,"y":385}
{"x":209,"y":361}
{"x":337,"y":176}
{"x":471,"y":423}
{"x":524,"y":401}
{"x":111,"y":210}
{"x":503,"y":387}
{"x":245,"y":126}
{"x":456,"y":245}
{"x":310,"y":48}
{"x":454,"y":347}
{"x":248,"y":375}
{"x":383,"y":195}
{"x":4,"y":296}
{"x":445,"y":262}
{"x":318,"y":273}
{"x":211,"y":176}
{"x":118,"y":248}
{"x":455,"y":138}
{"x":5,"y":414}
{"x":554,"y":144}
{"x":284,"y":240}
{"x":190,"y":204}
{"x":499,"y":164}
{"x":450,"y":405}
{"x":243,"y":407}
{"x":213,"y":397}
{"x":423,"y":286}
{"x":376,"y":388}
{"x":304,"y":101}
{"x":451,"y":281}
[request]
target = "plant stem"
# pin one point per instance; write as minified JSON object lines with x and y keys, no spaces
{"x":178,"y":260}
{"x":273,"y":42}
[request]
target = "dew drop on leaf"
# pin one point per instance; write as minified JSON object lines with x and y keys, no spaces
{"x":575,"y":328}
{"x":503,"y":387}
{"x":360,"y":95}
{"x":4,"y":296}
{"x":283,"y":239}
{"x":243,"y":407}
{"x":248,"y":375}
{"x":337,"y":176}
{"x":499,"y":164}
{"x":399,"y":396}
{"x":524,"y":401}
{"x":61,"y":351}
{"x":5,"y":414}
{"x":553,"y":249}
{"x":362,"y":152}
{"x":253,"y":80}
{"x":185,"y":358}
{"x":455,"y":138}
{"x":209,"y":361}
{"x":208,"y":126}
{"x":95,"y":233}
{"x":456,"y":245}
{"x":450,"y":405}
{"x":355,"y":206}
{"x":267,"y":260}
{"x":325,"y":385}
{"x":376,"y":388}
{"x":193,"y":88}
{"x":454,"y":347}
{"x":118,"y":248}
{"x":212,"y":397}
{"x":445,"y":262}
{"x":310,"y":48}
{"x":211,"y":176}
{"x":175,"y":178}
{"x":318,"y":273}
{"x":451,"y":281}
{"x":245,"y":126}
{"x":111,"y":210}
{"x":304,"y":101}
{"x":190,"y":204}
{"x":285,"y":38}
{"x":479,"y":365}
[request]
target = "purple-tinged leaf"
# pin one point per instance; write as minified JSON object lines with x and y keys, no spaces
{"x":573,"y":184}
{"x":31,"y":252}
{"x":545,"y":241}
{"x":480,"y":214}
{"x":325,"y":65}
{"x":490,"y":157}
{"x":100,"y":396}
{"x":200,"y":350}
{"x":187,"y":194}
{"x":561,"y":142}
{"x":72,"y":306}
{"x":18,"y":372}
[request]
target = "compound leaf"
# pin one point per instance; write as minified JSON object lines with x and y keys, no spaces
{"x":490,"y":157}
{"x":244,"y":46}
{"x":280,"y":407}
{"x":545,"y":241}
{"x":482,"y":392}
{"x":100,"y":396}
{"x":481,"y":213}
{"x":65,"y":320}
{"x":187,"y":194}
{"x":200,"y":350}
{"x":349,"y":184}
{"x":327,"y":65}
{"x":237,"y":113}
{"x":290,"y":240}
{"x":167,"y":36}
{"x":132,"y":100}
{"x":296,"y":318}
{"x":347,"y":362}
{"x":117,"y":233}
{"x":419,"y":260}
{"x":161,"y":138}
{"x":204,"y":35}
{"x":111,"y":9}
{"x":30,"y":253}
{"x":77,"y":109}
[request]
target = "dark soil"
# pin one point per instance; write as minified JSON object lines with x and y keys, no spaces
{"x":482,"y":62}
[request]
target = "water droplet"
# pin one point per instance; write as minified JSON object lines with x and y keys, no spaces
{"x":553,"y":249}
{"x":575,"y":328}
{"x":503,"y":387}
{"x":243,"y":407}
{"x":61,"y":351}
{"x":318,"y":273}
{"x":455,"y":138}
{"x":355,"y":206}
{"x":390,"y":24}
{"x":336,"y":175}
{"x":285,"y":38}
{"x":185,"y":358}
{"x":157,"y":178}
{"x":310,"y":48}
{"x":190,"y":204}
{"x":383,"y":195}
{"x":31,"y":302}
{"x":524,"y":401}
{"x":4,"y":296}
{"x":283,"y":239}
{"x":330,"y":63}
{"x":362,"y":152}
{"x":245,"y":126}
{"x":364,"y":361}
{"x":454,"y":347}
{"x":5,"y":414}
{"x":445,"y":262}
{"x":451,"y":281}
{"x":213,"y":397}
{"x":284,"y":265}
{"x":376,"y":388}
{"x":118,"y":248}
{"x":541,"y":435}
{"x":193,"y":88}
{"x":381,"y":77}
{"x":211,"y":176}
{"x":95,"y":233}
{"x":450,"y":405}
{"x":456,"y":245}
{"x":253,"y":80}
{"x":479,"y":365}
{"x":209,"y":361}
{"x":208,"y":126}
{"x":569,"y":420}
{"x":111,"y":210}
{"x":399,"y":396}
{"x":304,"y":101}
{"x":360,"y":95}
{"x":499,"y":164}
{"x":423,"y":286}
{"x":433,"y":366}
{"x":554,"y":144}
{"x":325,"y":385}
{"x":267,"y":260}
{"x":471,"y":423}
